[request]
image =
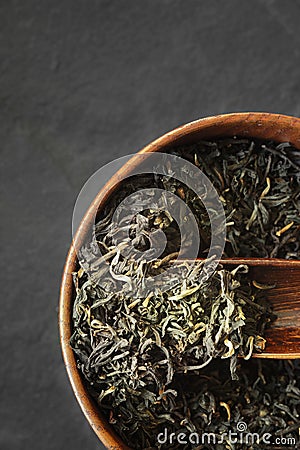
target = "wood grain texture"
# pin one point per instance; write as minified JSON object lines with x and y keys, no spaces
{"x":283,"y":336}
{"x":285,"y":339}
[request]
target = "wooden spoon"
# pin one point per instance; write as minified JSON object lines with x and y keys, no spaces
{"x":283,"y":336}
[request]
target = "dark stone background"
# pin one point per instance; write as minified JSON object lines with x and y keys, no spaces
{"x":83,"y":82}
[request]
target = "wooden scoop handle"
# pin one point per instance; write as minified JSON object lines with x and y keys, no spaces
{"x":283,"y":336}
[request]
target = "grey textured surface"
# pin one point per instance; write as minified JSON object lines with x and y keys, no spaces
{"x":81,"y":83}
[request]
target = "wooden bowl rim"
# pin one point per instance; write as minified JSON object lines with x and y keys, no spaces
{"x":282,"y":124}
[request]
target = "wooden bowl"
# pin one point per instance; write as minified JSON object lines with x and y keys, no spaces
{"x":256,"y":125}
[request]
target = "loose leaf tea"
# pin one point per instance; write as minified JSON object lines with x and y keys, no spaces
{"x":187,"y":325}
{"x":130,"y":351}
{"x":207,"y":410}
{"x":159,"y":349}
{"x":259,"y":185}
